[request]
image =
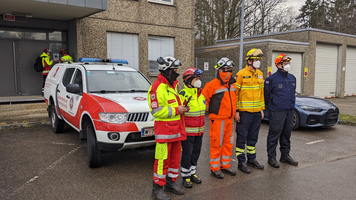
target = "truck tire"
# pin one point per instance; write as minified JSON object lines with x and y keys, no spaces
{"x":56,"y":123}
{"x":94,"y":154}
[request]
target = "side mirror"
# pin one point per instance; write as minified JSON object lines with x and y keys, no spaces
{"x":73,"y":88}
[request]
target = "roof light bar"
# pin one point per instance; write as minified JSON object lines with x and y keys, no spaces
{"x":99,"y":60}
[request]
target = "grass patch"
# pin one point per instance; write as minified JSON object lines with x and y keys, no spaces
{"x":347,"y":118}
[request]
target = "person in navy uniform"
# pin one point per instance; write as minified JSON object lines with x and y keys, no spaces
{"x":279,"y":94}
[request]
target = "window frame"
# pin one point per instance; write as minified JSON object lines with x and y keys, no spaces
{"x":162,"y":2}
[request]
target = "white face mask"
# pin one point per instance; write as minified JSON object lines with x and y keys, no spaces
{"x":257,"y":64}
{"x":286,"y":68}
{"x":197,"y":84}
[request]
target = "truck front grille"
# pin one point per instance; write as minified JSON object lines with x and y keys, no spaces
{"x":137,"y":117}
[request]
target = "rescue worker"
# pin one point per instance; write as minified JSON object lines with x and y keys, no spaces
{"x":47,"y":65}
{"x":221,"y":105}
{"x":66,"y":58}
{"x":167,"y":108}
{"x":280,"y":99}
{"x":194,"y":121}
{"x":249,"y":110}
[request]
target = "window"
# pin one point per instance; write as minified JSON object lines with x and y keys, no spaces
{"x":78,"y":79}
{"x":123,"y":46}
{"x":169,"y":2}
{"x":157,"y":47}
{"x":67,"y":76}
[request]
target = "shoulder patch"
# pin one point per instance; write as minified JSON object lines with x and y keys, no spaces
{"x":267,"y":82}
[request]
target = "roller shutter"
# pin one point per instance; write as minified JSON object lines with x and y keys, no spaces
{"x":350,"y":73}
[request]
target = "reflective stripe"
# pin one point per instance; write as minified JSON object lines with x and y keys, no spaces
{"x":225,"y":163}
{"x":232,"y":89}
{"x":222,"y":132}
{"x":186,"y":174}
{"x":167,"y":136}
{"x":195,"y":114}
{"x":193,"y":167}
{"x":232,"y":132}
{"x":194,"y":130}
{"x":156,"y":110}
{"x":225,"y":157}
{"x":216,"y":166}
{"x":239,"y":151}
{"x":172,"y":175}
{"x":184,"y":169}
{"x":250,"y":149}
{"x":170,"y":112}
{"x":214,"y":160}
{"x":173,"y":170}
{"x":220,"y":90}
{"x":159,"y":176}
{"x":238,"y":86}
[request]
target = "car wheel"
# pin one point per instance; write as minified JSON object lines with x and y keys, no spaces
{"x":295,"y":120}
{"x":56,"y":123}
{"x":94,"y":157}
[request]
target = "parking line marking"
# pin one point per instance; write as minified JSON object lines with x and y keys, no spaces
{"x":316,"y":141}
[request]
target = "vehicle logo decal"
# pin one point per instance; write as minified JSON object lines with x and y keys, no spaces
{"x":280,"y":86}
{"x":140,"y":98}
{"x":71,"y":102}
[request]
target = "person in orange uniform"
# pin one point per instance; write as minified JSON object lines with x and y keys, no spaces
{"x":221,"y":104}
{"x":167,"y":109}
{"x":249,"y":113}
{"x":47,"y":65}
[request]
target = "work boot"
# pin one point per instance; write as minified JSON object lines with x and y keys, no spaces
{"x":273,"y":162}
{"x":289,"y":160}
{"x":218,"y":174}
{"x":254,"y":163}
{"x":243,"y":167}
{"x":171,"y":186}
{"x":195,"y":179}
{"x":187,"y":183}
{"x":158,"y":193}
{"x":229,"y":171}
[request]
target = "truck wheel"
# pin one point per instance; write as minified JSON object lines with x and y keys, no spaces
{"x":295,"y":120}
{"x":56,"y":123}
{"x":94,"y":157}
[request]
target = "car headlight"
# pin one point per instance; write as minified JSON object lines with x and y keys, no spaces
{"x":310,"y":109}
{"x":117,"y":118}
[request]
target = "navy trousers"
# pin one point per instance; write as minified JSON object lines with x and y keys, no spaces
{"x":190,"y":154}
{"x":280,"y":127}
{"x":247,"y":133}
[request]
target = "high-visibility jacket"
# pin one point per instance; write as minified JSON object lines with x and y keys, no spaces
{"x":249,"y":90}
{"x":66,"y":59}
{"x":163,"y":101}
{"x":220,"y":97}
{"x":46,"y":63}
{"x":194,"y":119}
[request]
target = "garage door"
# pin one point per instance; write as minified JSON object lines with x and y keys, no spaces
{"x":350,"y":73}
{"x":296,"y":66}
{"x":325,"y":70}
{"x":123,"y":46}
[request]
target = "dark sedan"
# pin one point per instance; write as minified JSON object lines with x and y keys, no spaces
{"x":312,"y":111}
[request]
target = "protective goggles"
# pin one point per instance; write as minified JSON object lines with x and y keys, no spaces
{"x":286,"y":58}
{"x":227,"y":63}
{"x":198,"y":72}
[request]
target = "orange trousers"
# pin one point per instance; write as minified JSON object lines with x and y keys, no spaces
{"x":222,"y":133}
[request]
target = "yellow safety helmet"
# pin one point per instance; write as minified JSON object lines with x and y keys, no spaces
{"x":254,"y":54}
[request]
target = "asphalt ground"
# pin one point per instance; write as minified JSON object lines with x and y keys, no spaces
{"x":38,"y":164}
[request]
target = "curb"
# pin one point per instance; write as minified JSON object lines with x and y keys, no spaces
{"x":347,"y":123}
{"x":23,"y":125}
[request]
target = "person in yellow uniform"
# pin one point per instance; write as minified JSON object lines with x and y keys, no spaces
{"x":194,"y":121}
{"x":167,"y":109}
{"x":249,"y":110}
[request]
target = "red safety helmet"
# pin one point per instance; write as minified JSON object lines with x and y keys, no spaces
{"x":62,"y":51}
{"x":192,"y":72}
{"x":281,"y":58}
{"x":47,"y":50}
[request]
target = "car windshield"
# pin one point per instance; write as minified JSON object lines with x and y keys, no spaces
{"x":114,"y":81}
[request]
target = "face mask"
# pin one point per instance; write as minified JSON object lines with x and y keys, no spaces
{"x":286,"y":68}
{"x":257,"y":64}
{"x":197,"y":84}
{"x":225,"y":70}
{"x":174,"y":76}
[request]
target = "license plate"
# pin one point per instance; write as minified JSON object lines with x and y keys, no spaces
{"x":147,"y":132}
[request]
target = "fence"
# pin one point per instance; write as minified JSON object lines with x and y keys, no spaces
{"x":207,"y":66}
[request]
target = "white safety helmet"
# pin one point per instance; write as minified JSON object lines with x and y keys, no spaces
{"x":168,"y":62}
{"x":224,"y":62}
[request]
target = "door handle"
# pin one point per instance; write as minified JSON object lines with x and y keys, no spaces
{"x":58,"y":91}
{"x":68,"y":97}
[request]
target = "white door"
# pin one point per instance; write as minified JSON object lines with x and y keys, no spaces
{"x":296,"y":66}
{"x":325,"y":70}
{"x":350,"y":73}
{"x":123,"y":46}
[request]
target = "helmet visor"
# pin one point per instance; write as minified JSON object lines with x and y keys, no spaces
{"x":176,"y":64}
{"x":198,"y":72}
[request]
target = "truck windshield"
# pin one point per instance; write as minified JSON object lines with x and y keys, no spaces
{"x":103,"y":81}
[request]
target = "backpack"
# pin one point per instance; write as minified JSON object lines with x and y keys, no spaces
{"x":38,"y":64}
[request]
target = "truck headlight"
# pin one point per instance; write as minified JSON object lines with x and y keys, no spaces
{"x":116,"y":118}
{"x":310,"y":109}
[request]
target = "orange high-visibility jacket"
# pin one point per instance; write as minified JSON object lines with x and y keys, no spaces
{"x":220,"y":99}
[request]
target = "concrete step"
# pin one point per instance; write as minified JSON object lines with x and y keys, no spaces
{"x":22,"y":109}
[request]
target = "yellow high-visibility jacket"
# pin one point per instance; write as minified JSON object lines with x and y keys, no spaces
{"x":249,"y":90}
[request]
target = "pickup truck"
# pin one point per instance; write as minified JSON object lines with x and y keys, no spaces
{"x":105,"y":101}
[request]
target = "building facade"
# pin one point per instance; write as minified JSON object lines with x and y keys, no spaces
{"x":322,"y":61}
{"x":136,"y":30}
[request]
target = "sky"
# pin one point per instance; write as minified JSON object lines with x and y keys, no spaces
{"x":297,"y":4}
